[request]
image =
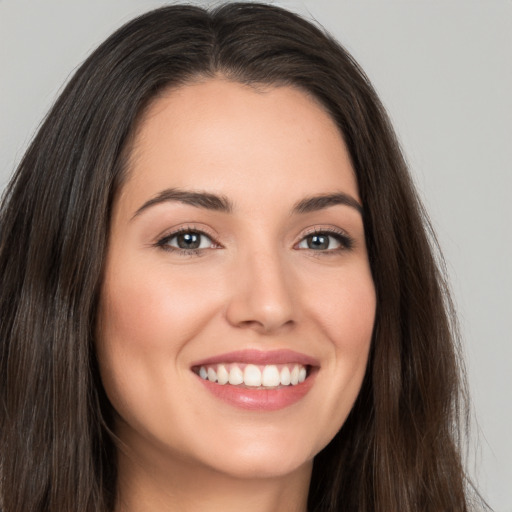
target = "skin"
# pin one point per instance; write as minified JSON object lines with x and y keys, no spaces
{"x":254,"y":284}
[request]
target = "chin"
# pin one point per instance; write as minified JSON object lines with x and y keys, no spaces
{"x":260,"y":455}
{"x":262,"y":466}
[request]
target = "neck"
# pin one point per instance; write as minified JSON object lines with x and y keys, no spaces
{"x":169,"y":486}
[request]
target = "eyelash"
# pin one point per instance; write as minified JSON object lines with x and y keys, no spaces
{"x":163,"y":243}
{"x":346,"y":242}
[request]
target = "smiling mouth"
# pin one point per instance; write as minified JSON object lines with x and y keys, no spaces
{"x":258,"y":381}
{"x":252,"y":376}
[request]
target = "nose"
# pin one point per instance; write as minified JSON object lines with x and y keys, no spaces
{"x":262,"y":295}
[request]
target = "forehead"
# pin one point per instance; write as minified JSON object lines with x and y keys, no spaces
{"x":236,"y":139}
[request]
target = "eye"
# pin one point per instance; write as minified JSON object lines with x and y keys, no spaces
{"x":325,"y":241}
{"x":187,"y":241}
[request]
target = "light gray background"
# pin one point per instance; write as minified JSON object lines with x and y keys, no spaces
{"x":442,"y":68}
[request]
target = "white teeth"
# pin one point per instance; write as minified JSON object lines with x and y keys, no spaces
{"x":252,"y":375}
{"x":222,"y":374}
{"x":212,"y":375}
{"x":267,"y":376}
{"x":236,"y":376}
{"x":270,"y":376}
{"x":294,"y":376}
{"x":285,"y":376}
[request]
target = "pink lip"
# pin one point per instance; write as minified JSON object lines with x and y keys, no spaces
{"x":260,"y":399}
{"x":260,"y":357}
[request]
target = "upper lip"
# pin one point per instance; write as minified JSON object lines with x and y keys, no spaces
{"x":260,"y":357}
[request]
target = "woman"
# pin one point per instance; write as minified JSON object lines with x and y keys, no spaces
{"x":218,"y":285}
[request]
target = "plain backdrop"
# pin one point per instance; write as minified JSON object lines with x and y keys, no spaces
{"x":443,"y":70}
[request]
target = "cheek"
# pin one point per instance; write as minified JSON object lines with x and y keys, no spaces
{"x":146,"y":319}
{"x":350,"y":320}
{"x":344,"y":307}
{"x":151,"y":311}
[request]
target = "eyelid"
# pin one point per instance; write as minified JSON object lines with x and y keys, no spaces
{"x":343,"y":238}
{"x":347,"y":242}
{"x":185,"y":228}
{"x":163,"y":239}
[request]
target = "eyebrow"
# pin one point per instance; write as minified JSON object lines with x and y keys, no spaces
{"x":322,"y":201}
{"x":203,"y":200}
{"x":208,"y":201}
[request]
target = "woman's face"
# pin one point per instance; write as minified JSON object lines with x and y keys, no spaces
{"x":237,"y":253}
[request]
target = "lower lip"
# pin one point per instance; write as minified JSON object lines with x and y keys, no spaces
{"x":260,"y":399}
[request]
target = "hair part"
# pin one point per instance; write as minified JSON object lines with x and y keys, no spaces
{"x":399,"y":448}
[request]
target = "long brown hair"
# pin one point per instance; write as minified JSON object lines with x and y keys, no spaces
{"x":399,"y":450}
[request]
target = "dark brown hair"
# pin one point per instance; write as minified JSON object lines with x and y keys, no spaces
{"x":399,"y":448}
